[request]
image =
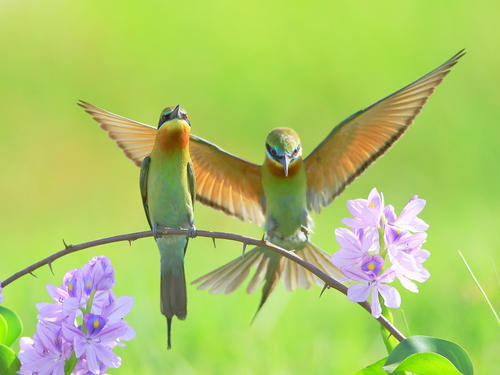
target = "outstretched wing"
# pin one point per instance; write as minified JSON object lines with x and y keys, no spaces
{"x":226,"y":182}
{"x":134,"y":138}
{"x":360,"y":139}
{"x":223,"y":181}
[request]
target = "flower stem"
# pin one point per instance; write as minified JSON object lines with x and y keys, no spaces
{"x":70,"y":364}
{"x":88,"y":308}
{"x":390,"y":341}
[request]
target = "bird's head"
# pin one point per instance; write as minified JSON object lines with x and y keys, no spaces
{"x":174,"y":115}
{"x":283,"y":148}
{"x":174,"y":127}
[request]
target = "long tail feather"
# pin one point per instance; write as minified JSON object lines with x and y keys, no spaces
{"x":272,"y":276}
{"x":169,"y":330}
{"x":173,"y":283}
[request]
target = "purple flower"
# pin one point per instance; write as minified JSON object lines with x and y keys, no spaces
{"x":98,"y":341}
{"x":85,"y":295}
{"x":46,"y":353}
{"x":354,"y":246}
{"x":370,"y":281}
{"x":406,"y":255}
{"x":408,"y":220}
{"x":82,"y":368}
{"x":53,"y":312}
{"x":101,"y":273}
{"x":367,"y":212}
{"x":73,"y":283}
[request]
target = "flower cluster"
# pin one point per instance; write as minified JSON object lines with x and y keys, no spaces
{"x":81,"y":327}
{"x":380,"y":247}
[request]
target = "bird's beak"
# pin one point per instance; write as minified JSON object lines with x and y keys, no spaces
{"x":175,"y":112}
{"x":286,"y":162}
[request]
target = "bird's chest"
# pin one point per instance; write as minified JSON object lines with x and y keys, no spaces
{"x":286,"y":211}
{"x":168,"y":197}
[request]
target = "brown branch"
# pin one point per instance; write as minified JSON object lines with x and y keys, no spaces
{"x":329,"y":281}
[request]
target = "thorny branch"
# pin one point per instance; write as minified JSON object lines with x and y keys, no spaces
{"x":329,"y":281}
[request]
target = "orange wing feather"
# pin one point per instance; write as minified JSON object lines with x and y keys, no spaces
{"x":226,"y":182}
{"x":360,"y":139}
{"x":134,"y":138}
{"x":223,"y":181}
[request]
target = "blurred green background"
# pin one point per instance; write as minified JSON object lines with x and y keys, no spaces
{"x":240,"y":69}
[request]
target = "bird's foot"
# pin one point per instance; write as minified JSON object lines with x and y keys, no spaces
{"x":306,"y":230}
{"x":155,"y":228}
{"x":192,"y":232}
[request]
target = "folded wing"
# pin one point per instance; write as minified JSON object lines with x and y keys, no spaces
{"x":360,"y":139}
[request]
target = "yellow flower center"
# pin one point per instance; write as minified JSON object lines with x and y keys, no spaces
{"x":371,"y":266}
{"x":398,"y":232}
{"x":96,"y":323}
{"x":88,"y":284}
{"x":70,"y":287}
{"x":372,"y":205}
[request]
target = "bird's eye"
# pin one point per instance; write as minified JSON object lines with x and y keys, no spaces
{"x":273,"y":152}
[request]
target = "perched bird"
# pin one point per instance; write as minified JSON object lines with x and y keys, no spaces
{"x":168,"y":193}
{"x":281,"y":193}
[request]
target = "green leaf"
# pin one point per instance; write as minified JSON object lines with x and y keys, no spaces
{"x":9,"y":364}
{"x":424,"y":344}
{"x":14,"y":325}
{"x":3,"y":329}
{"x":373,"y":369}
{"x":426,"y":364}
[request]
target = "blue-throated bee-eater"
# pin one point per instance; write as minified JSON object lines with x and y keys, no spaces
{"x":168,"y":194}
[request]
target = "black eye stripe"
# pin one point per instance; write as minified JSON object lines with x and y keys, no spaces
{"x":164,"y":118}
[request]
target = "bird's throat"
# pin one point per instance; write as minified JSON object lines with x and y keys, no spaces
{"x":169,"y":140}
{"x":277,"y":169}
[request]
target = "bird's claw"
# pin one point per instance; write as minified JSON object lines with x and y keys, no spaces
{"x":306,"y":230}
{"x":192,"y":232}
{"x":154,"y":228}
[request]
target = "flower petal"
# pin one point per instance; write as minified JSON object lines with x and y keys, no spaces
{"x":408,"y":284}
{"x":345,"y":258}
{"x":91,"y":356}
{"x":118,"y":309}
{"x":358,"y":292}
{"x":376,"y":309}
{"x":356,"y":274}
{"x":108,"y":357}
{"x":356,"y":206}
{"x":391,"y":296}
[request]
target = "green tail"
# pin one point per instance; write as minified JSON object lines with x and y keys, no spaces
{"x":173,"y":282}
{"x":271,"y":277}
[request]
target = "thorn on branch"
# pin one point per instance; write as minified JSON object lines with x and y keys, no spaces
{"x":213,"y":239}
{"x":244,"y":248}
{"x":325,"y":287}
{"x":51,"y":270}
{"x":66,"y":246}
{"x":130,"y":243}
{"x":32,"y":274}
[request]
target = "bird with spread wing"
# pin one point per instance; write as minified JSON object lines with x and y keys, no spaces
{"x":282,"y":192}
